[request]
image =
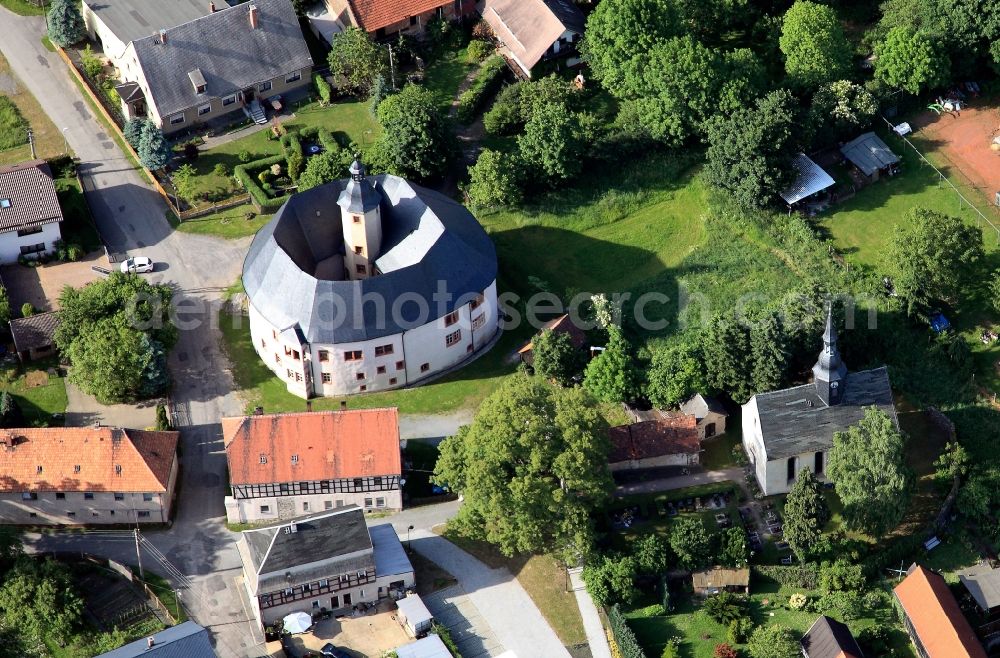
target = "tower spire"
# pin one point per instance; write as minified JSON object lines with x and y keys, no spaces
{"x":830,"y":372}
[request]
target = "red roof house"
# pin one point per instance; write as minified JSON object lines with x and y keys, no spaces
{"x":669,"y":441}
{"x":933,"y":619}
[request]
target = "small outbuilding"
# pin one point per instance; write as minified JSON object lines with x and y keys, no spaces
{"x":871,"y":156}
{"x":34,"y":336}
{"x":810,"y":181}
{"x":429,"y":647}
{"x":669,"y":441}
{"x":710,"y":582}
{"x":414,"y":615}
{"x":983,"y":583}
{"x":828,"y":638}
{"x":562,"y":325}
{"x":709,"y":414}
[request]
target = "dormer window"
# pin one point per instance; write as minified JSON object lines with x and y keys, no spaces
{"x":198,"y":81}
{"x":4,"y":203}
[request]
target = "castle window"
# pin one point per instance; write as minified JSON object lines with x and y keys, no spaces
{"x":324,"y":356}
{"x":383,"y":350}
{"x":360,"y":376}
{"x":363,"y":388}
{"x":360,"y":251}
{"x":453,"y":338}
{"x":451,"y":318}
{"x":353,"y":355}
{"x":478,"y":321}
{"x":424,"y":367}
{"x":295,"y":355}
{"x":818,"y":463}
{"x":476,"y":303}
{"x":356,"y":218}
{"x":791,"y":469}
{"x":392,"y":381}
{"x":361,"y":269}
{"x":327,"y":378}
{"x":400,"y":365}
{"x":380,"y":370}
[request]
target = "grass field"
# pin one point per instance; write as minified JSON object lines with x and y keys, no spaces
{"x":542,"y":577}
{"x":14,"y":146}
{"x":446,"y":74}
{"x":23,"y":7}
{"x":230,"y":223}
{"x":37,"y":402}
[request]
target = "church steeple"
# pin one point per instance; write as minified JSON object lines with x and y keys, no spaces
{"x":830,"y":373}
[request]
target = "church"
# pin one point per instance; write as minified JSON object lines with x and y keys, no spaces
{"x":791,"y":429}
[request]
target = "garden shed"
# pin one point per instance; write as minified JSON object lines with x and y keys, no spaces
{"x":983,"y":583}
{"x":810,"y":180}
{"x":414,"y":615}
{"x":871,"y":156}
{"x":709,"y":582}
{"x":429,"y":647}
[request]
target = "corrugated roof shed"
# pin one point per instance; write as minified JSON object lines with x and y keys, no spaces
{"x":390,"y":558}
{"x":983,"y":583}
{"x":810,"y":178}
{"x":413,"y":609}
{"x":720,"y":577}
{"x":429,"y":647}
{"x":187,"y":640}
{"x":868,"y":153}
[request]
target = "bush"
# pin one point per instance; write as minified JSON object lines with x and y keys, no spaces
{"x":91,"y":63}
{"x":244,"y":156}
{"x":162,"y":421}
{"x":323,"y":89}
{"x":797,"y":601}
{"x":74,"y":252}
{"x":478,"y":51}
{"x":486,"y":83}
{"x":220,"y":170}
{"x":628,"y":644}
{"x":655,"y":610}
{"x":505,"y":115}
{"x":290,"y":144}
{"x":672,"y":649}
{"x":445,"y":635}
{"x":725,"y":607}
{"x":724,"y":650}
{"x":244,"y":174}
{"x":190,"y":151}
{"x":27,"y":310}
{"x":739,"y":630}
{"x":495,"y":180}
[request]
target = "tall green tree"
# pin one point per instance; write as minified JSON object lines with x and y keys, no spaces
{"x":496,"y":179}
{"x":610,"y":579}
{"x":733,"y":549}
{"x":750,"y":150}
{"x":840,"y":108}
{"x":323,"y":168}
{"x":934,"y":255}
{"x":727,"y":357}
{"x":416,"y":139}
{"x":532,"y":467}
{"x":652,"y":554}
{"x":773,"y":641}
{"x":10,"y":411}
{"x":805,"y":514}
{"x":357,"y":59}
{"x":551,"y":143}
{"x":690,"y":542}
{"x":868,"y":467}
{"x":154,"y":150}
{"x":65,"y":23}
{"x":555,"y":357}
{"x":769,"y":353}
{"x":133,"y":130}
{"x":611,"y":376}
{"x":911,"y":61}
{"x":40,"y":597}
{"x":675,"y":374}
{"x":673,"y":88}
{"x":814,"y":45}
{"x":618,"y":30}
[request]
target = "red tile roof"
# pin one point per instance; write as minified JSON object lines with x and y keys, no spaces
{"x":935,"y":616}
{"x":561,"y":325}
{"x":375,"y":14}
{"x":29,"y":194}
{"x":86,"y":459}
{"x":327,"y":445}
{"x":672,"y":435}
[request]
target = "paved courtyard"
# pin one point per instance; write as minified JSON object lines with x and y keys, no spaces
{"x":41,"y":285}
{"x":452,"y":608}
{"x":362,"y":637}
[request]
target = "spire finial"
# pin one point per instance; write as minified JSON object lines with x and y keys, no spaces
{"x":357,"y":168}
{"x":830,"y":333}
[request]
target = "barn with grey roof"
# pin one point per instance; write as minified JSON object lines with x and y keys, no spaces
{"x":787,"y":430}
{"x":369,"y":283}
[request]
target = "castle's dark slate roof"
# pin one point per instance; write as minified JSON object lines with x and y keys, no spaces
{"x":828,"y":638}
{"x":306,"y":553}
{"x":229,"y":54}
{"x":426,"y":238}
{"x":796,"y":420}
{"x":27,"y":196}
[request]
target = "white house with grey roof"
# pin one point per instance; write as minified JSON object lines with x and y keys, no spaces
{"x":330,"y":561}
{"x":791,"y":429}
{"x":368,"y":284}
{"x":185,"y":62}
{"x":29,"y":211}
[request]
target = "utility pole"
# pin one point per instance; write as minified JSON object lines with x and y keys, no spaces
{"x":138,"y":555}
{"x":31,"y":141}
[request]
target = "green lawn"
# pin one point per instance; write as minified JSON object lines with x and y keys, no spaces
{"x":77,"y":225}
{"x":768,"y":606}
{"x":23,"y":7}
{"x":21,"y":110}
{"x":444,"y":76}
{"x":229,"y":223}
{"x":39,"y":394}
{"x":718,"y":450}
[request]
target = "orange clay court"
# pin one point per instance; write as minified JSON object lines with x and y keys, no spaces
{"x":965,"y":141}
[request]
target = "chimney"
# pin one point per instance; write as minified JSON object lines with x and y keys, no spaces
{"x":163,"y":36}
{"x":150,"y":641}
{"x":211,"y":7}
{"x":343,"y":405}
{"x":254,"y":19}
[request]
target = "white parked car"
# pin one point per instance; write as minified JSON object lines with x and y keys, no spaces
{"x":137,"y":264}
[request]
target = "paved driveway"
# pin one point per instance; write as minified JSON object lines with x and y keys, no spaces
{"x":452,"y":608}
